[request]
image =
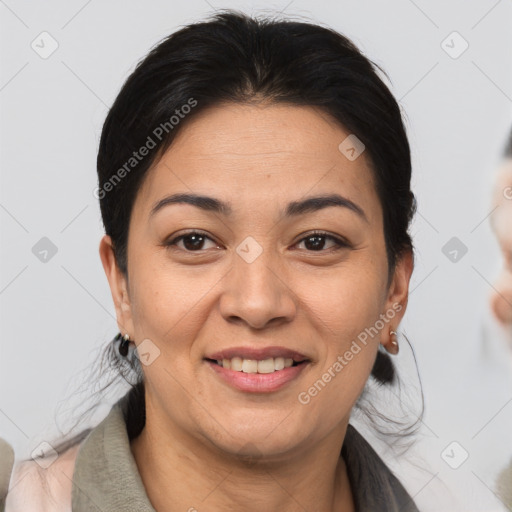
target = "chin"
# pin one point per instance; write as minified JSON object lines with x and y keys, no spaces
{"x":265,"y":441}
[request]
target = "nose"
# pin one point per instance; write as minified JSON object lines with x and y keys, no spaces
{"x":257,"y":293}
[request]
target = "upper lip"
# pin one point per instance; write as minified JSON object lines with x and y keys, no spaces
{"x":257,"y":353}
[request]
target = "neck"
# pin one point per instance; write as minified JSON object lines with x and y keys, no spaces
{"x":181,"y":473}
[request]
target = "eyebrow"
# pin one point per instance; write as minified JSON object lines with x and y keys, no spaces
{"x":293,"y":209}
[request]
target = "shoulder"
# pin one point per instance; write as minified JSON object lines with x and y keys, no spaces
{"x":44,"y":485}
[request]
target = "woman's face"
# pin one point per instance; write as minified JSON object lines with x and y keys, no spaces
{"x":257,"y":278}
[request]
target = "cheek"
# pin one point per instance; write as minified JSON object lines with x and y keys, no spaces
{"x":347,"y":358}
{"x":346,"y":312}
{"x":165,"y":298}
{"x":343,"y":302}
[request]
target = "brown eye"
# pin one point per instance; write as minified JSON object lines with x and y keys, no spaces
{"x":193,"y":241}
{"x":316,"y":242}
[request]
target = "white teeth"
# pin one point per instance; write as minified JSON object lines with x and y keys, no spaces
{"x":236,"y":364}
{"x":266,"y":366}
{"x":269,"y":365}
{"x":279,"y":363}
{"x":249,"y":365}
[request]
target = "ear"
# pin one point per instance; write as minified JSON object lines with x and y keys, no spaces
{"x":398,"y":294}
{"x":118,"y":286}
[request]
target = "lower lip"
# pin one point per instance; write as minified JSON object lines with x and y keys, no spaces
{"x":258,"y":382}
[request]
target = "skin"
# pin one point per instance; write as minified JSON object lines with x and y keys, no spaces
{"x":200,"y":431}
{"x":501,"y":223}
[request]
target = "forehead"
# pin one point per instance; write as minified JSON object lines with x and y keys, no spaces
{"x":253,"y":155}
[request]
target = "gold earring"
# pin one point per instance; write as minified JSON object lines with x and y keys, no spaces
{"x":392,"y":346}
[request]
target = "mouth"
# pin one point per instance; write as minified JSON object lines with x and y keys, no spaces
{"x":257,"y":370}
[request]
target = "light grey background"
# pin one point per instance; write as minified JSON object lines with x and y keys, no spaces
{"x":55,"y":316}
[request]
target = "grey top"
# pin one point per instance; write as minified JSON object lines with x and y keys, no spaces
{"x":106,"y":477}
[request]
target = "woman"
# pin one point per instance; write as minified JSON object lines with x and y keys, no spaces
{"x":254,"y":183}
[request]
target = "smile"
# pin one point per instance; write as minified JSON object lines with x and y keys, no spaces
{"x":263,"y":376}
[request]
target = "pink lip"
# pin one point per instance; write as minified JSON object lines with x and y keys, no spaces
{"x":258,"y":382}
{"x":257,"y":353}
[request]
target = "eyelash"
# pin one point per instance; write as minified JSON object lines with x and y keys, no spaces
{"x":340,"y":244}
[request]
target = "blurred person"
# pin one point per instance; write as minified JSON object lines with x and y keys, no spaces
{"x":501,"y":223}
{"x":501,"y":295}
